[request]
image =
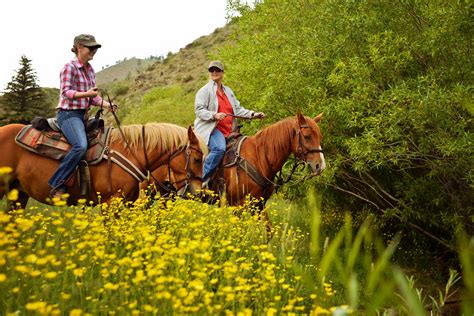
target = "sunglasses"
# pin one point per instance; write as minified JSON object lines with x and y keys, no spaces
{"x":92,"y":48}
{"x":214,"y":69}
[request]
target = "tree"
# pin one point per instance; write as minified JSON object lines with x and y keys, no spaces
{"x":394,"y":80}
{"x":23,"y":99}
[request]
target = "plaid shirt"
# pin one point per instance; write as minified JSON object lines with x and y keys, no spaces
{"x":75,"y":77}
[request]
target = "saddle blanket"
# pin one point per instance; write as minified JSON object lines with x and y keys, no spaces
{"x":54,"y":145}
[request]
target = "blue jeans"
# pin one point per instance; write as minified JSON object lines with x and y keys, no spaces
{"x":72,"y":125}
{"x":217,"y":144}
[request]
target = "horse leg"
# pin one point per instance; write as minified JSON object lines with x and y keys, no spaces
{"x":21,"y":200}
{"x":265,"y":217}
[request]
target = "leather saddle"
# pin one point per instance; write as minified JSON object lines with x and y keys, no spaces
{"x":44,"y":138}
{"x":232,"y":158}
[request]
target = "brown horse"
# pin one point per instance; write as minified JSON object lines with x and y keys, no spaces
{"x":265,"y":153}
{"x":160,"y":144}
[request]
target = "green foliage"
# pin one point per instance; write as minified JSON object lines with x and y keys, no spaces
{"x":120,"y":88}
{"x":356,"y":266}
{"x":394,"y":81}
{"x":466,"y":255}
{"x":23,"y":98}
{"x":164,"y":104}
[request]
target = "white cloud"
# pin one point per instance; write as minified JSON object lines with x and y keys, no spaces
{"x":44,"y":31}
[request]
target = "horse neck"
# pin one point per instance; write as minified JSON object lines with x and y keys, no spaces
{"x":275,"y":141}
{"x":136,"y":154}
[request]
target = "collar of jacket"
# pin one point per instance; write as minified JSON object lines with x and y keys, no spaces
{"x":214,"y":86}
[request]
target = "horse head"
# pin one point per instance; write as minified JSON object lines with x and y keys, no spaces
{"x":306,"y":142}
{"x":185,"y":166}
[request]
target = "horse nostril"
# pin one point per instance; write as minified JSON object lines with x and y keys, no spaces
{"x":316,"y":168}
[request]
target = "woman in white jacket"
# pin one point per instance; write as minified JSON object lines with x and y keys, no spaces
{"x":215,"y":106}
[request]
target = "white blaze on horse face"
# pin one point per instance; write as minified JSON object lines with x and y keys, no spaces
{"x":323,"y":162}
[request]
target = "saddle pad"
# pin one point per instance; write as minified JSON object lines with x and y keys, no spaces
{"x":54,"y":145}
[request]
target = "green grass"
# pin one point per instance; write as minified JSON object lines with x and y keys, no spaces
{"x":167,"y":104}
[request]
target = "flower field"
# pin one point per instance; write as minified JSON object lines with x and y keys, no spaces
{"x":171,"y":258}
{"x":157,"y":257}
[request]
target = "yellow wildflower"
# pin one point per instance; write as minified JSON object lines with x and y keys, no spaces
{"x":5,"y":170}
{"x":65,"y":296}
{"x":13,"y":195}
{"x":79,"y":272}
{"x":75,"y":312}
{"x":36,"y":306}
{"x":50,"y":275}
{"x":111,"y":286}
{"x":4,"y":218}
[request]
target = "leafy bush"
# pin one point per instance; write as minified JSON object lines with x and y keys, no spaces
{"x":394,"y":83}
{"x":120,"y":89}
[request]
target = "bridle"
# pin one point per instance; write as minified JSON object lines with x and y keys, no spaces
{"x":302,"y":151}
{"x":169,"y":186}
{"x":190,"y":175}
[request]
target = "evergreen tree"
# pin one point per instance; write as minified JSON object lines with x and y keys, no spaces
{"x":23,"y":98}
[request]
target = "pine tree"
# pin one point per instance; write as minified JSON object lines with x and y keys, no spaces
{"x":23,"y":99}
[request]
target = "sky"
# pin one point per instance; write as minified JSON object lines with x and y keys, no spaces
{"x":44,"y":30}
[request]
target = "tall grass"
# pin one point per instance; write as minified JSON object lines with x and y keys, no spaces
{"x":194,"y":258}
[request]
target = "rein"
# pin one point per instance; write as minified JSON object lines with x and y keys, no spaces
{"x":147,"y":167}
{"x":301,"y":152}
{"x":189,"y":173}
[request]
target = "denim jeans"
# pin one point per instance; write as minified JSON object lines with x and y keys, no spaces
{"x":72,"y":125}
{"x":217,"y":144}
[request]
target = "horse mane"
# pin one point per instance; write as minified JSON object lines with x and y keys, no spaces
{"x":276,"y":138}
{"x":164,"y":136}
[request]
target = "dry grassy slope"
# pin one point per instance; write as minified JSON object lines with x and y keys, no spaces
{"x":124,"y":70}
{"x":186,"y":68}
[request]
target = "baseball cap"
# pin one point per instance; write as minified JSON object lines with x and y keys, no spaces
{"x":86,"y":40}
{"x":217,"y":64}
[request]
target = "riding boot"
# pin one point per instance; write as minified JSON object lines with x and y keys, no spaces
{"x":84,"y":178}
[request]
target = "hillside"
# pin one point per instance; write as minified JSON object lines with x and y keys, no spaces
{"x":124,"y":70}
{"x":164,"y":90}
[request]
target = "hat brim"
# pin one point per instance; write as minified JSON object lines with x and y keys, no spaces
{"x":92,"y":44}
{"x":214,"y":66}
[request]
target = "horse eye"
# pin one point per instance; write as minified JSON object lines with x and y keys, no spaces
{"x":197,"y":160}
{"x":307,"y":137}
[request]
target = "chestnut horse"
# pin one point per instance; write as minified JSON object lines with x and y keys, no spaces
{"x":146,"y":146}
{"x":266,"y":152}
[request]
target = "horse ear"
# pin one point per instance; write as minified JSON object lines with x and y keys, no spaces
{"x":318,"y":118}
{"x":192,"y":137}
{"x":300,"y":117}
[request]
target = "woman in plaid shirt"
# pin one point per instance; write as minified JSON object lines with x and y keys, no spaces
{"x":78,"y":92}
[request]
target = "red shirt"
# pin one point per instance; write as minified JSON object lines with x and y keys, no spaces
{"x":224,"y":106}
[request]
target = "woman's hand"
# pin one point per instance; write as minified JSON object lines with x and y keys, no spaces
{"x":258,"y":115}
{"x":92,"y":92}
{"x":219,"y":116}
{"x":111,"y":107}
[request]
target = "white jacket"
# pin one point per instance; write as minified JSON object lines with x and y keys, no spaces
{"x":206,"y":106}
